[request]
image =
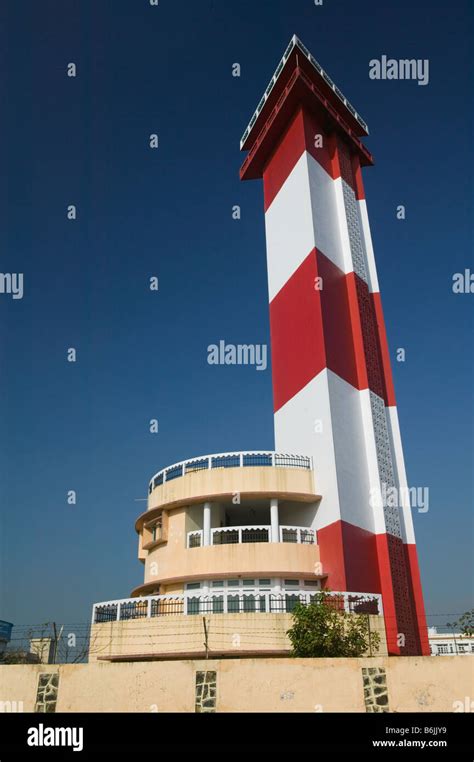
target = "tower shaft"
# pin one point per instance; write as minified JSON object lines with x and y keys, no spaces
{"x":332,"y":383}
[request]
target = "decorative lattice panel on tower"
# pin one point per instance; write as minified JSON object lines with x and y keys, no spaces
{"x":370,"y":338}
{"x":404,"y":605}
{"x":353,"y":227}
{"x":352,"y":213}
{"x":385,"y":464}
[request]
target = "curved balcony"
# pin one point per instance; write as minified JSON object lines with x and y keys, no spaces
{"x":244,"y":459}
{"x":255,"y":474}
{"x":180,"y":564}
{"x":229,"y":603}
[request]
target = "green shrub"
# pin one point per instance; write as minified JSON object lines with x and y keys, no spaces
{"x":320,"y":629}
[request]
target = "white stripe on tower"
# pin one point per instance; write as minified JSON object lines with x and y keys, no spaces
{"x":369,"y":250}
{"x":304,"y":215}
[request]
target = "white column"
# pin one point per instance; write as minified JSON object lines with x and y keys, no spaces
{"x":275,"y":524}
{"x":206,"y":523}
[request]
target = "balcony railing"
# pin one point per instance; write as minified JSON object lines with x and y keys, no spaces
{"x":233,"y":535}
{"x":244,"y":534}
{"x":229,"y":603}
{"x":230,"y":460}
{"x":301,"y":535}
{"x":195,"y":539}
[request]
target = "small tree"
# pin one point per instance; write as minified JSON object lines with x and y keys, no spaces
{"x":321,"y":630}
{"x":465,"y":623}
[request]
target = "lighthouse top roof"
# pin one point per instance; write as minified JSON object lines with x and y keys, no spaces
{"x":324,"y":81}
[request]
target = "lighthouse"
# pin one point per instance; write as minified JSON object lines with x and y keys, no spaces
{"x":233,"y":541}
{"x":333,"y":391}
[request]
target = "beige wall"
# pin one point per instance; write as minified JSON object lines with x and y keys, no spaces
{"x":194,"y":518}
{"x":415,"y":684}
{"x":306,"y":514}
{"x":289,"y":483}
{"x":106,"y":687}
{"x":226,"y":632}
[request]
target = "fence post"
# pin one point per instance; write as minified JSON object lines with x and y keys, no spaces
{"x":206,"y":637}
{"x":119,"y":605}
{"x":346,"y":603}
{"x":380,"y":605}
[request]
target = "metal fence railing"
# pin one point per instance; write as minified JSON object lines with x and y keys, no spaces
{"x":195,"y":539}
{"x":244,"y":534}
{"x":231,"y":603}
{"x":243,"y":459}
{"x":300,"y":535}
{"x":231,"y":535}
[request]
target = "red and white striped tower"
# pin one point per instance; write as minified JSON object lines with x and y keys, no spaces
{"x":332,"y":382}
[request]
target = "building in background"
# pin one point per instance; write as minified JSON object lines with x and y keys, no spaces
{"x":450,"y":643}
{"x":5,"y":634}
{"x":44,"y":649}
{"x":231,"y":541}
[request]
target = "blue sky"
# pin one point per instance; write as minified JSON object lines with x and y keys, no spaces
{"x":142,"y":355}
